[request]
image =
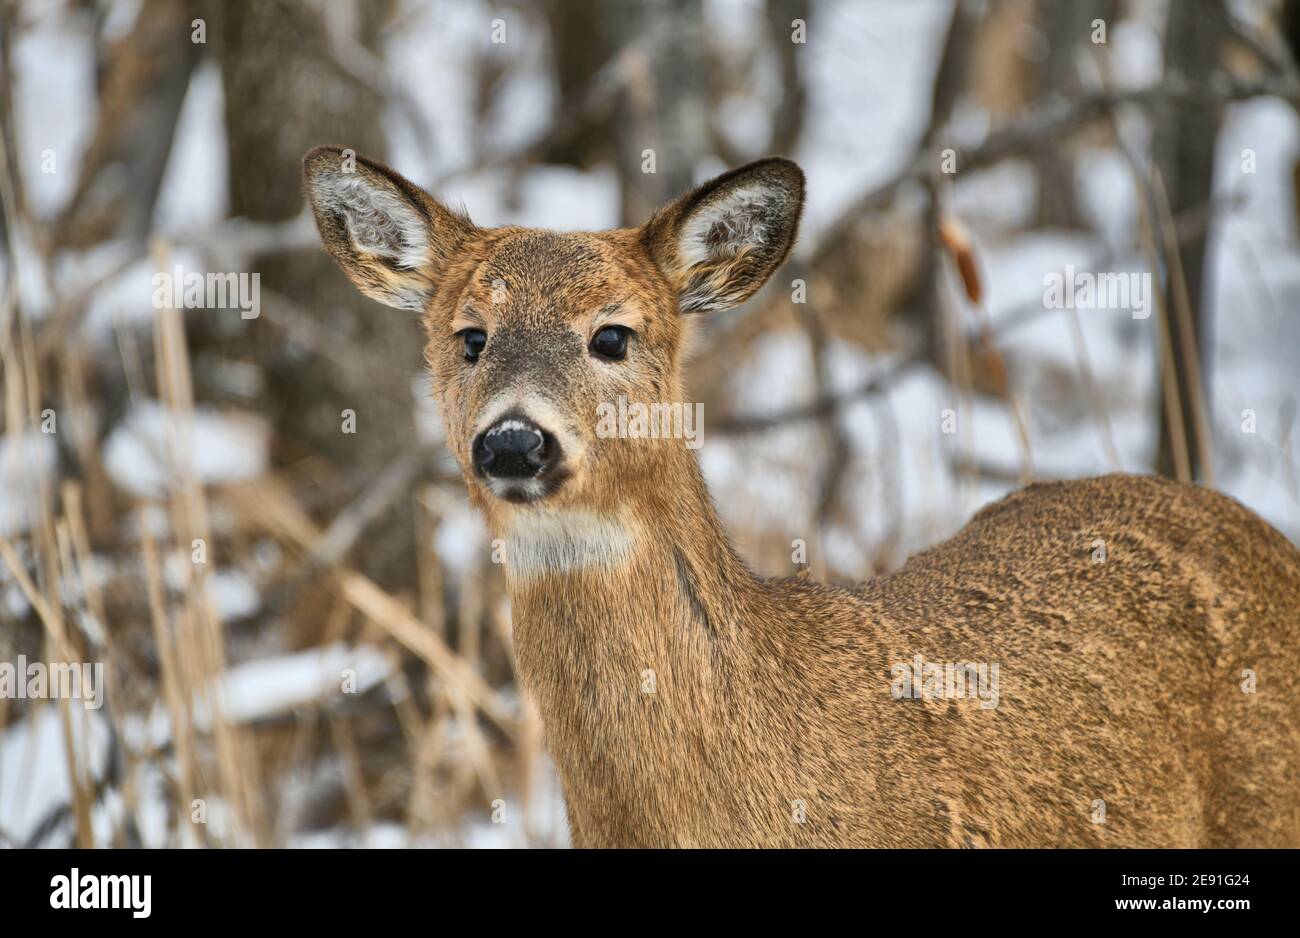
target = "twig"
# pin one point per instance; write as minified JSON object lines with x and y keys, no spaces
{"x":1188,"y":350}
{"x":1094,"y":391}
{"x":1267,"y":47}
{"x":1169,"y":379}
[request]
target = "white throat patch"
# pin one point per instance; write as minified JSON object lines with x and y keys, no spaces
{"x":540,"y":542}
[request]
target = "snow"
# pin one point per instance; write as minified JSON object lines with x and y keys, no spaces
{"x":269,"y":686}
{"x":461,"y":540}
{"x":27,"y":460}
{"x":857,"y":136}
{"x":548,"y":197}
{"x":126,"y":300}
{"x":54,"y":102}
{"x":35,"y":777}
{"x":219,"y":447}
{"x":195,"y":187}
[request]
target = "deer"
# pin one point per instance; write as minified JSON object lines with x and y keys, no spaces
{"x":1144,"y":691}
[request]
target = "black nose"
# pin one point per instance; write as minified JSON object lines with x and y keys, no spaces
{"x":514,"y":448}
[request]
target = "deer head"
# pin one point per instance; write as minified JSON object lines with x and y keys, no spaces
{"x":530,"y":331}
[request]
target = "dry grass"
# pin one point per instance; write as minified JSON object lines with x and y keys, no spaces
{"x":434,"y":744}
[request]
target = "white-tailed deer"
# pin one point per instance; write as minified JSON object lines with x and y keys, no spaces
{"x":1112,"y":661}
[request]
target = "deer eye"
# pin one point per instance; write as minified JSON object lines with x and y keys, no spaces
{"x":611,"y":342}
{"x":475,"y":339}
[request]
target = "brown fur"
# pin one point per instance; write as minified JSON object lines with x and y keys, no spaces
{"x":771,"y":721}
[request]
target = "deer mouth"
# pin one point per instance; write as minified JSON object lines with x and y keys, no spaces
{"x":525,"y":491}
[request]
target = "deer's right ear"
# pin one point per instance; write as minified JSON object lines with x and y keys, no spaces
{"x":390,"y":237}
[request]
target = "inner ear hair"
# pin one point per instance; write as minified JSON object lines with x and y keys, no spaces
{"x":719,"y":243}
{"x":378,"y":220}
{"x":390,"y":236}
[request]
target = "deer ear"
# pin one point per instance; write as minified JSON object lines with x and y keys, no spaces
{"x":391,"y":238}
{"x":719,"y":244}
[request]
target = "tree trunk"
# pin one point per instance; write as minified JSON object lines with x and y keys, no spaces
{"x":1185,"y":156}
{"x":663,"y":109}
{"x":142,"y":88}
{"x":1067,"y":25}
{"x":284,"y":94}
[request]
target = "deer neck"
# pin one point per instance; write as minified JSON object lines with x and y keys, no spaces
{"x":628,"y":628}
{"x":657,"y":576}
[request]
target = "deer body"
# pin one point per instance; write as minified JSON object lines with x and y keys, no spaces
{"x":1120,"y":683}
{"x":688,"y":702}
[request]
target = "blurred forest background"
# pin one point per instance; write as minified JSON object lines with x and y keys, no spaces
{"x":305,"y":639}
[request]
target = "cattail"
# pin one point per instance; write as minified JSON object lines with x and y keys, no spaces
{"x":956,"y":238}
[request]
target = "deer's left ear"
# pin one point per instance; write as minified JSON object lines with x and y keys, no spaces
{"x":719,"y":244}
